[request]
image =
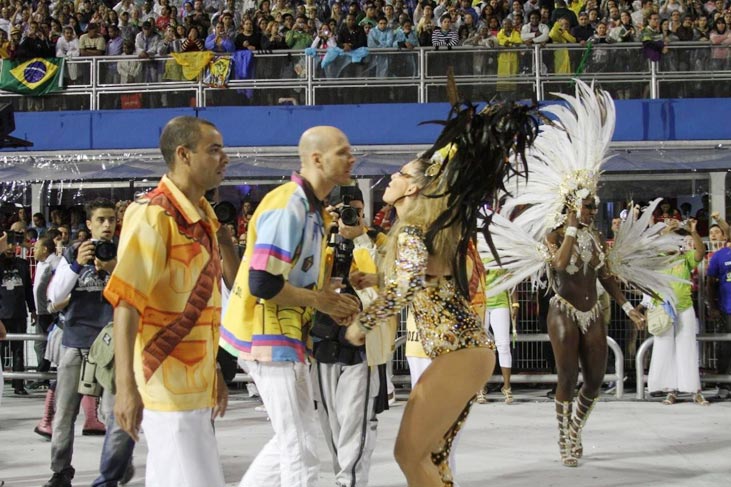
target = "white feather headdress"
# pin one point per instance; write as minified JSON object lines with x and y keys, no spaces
{"x":565,"y":162}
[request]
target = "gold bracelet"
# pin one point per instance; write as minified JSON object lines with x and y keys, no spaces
{"x":515,"y":305}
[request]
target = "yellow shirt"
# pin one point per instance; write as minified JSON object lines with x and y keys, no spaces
{"x":158,"y":267}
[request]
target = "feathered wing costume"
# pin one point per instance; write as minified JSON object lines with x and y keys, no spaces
{"x":564,"y":166}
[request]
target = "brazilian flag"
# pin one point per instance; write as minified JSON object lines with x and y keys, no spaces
{"x":37,"y":76}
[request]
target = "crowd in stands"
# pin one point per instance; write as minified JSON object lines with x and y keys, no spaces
{"x":43,"y":28}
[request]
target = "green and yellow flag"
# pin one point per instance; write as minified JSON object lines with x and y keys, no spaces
{"x":37,"y":76}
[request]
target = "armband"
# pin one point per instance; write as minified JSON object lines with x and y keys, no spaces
{"x":627,"y":307}
{"x":571,"y":231}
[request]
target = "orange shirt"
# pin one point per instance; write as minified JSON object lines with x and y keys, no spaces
{"x":158,"y":266}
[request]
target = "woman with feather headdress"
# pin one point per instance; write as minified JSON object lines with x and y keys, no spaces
{"x":437,"y":197}
{"x":555,"y":236}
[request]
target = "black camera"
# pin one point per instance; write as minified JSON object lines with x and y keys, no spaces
{"x":225,"y":212}
{"x":105,"y":250}
{"x":348,"y":215}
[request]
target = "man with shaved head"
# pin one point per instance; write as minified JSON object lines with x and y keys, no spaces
{"x":277,"y":288}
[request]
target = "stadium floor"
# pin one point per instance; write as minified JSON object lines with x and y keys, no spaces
{"x":626,"y":443}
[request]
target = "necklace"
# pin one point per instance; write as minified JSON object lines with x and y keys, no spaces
{"x":584,"y":249}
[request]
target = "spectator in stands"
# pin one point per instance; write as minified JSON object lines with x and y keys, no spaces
{"x":642,"y":15}
{"x":424,"y":10}
{"x":248,"y":37}
{"x":685,"y":32}
{"x":67,"y":46}
{"x":169,"y":43}
{"x":674,"y":363}
{"x":600,"y":55}
{"x":467,"y":29}
{"x":193,"y":41}
{"x":114,"y":44}
{"x":534,"y":32}
{"x":508,"y":62}
{"x":405,"y":37}
{"x":625,"y":31}
{"x":653,"y":41}
{"x":719,"y":299}
{"x":444,"y":35}
{"x":584,"y":30}
{"x":147,"y":42}
{"x":273,"y":39}
{"x":16,"y":296}
{"x":163,"y":20}
{"x":129,"y":69}
{"x":371,"y":16}
{"x":666,"y":212}
{"x":517,"y":9}
{"x":561,"y":11}
{"x":125,"y":6}
{"x":219,"y":42}
{"x":381,"y":37}
{"x":92,"y":43}
{"x":5,"y":50}
{"x":127,"y":31}
{"x":298,"y":38}
{"x":351,"y":35}
{"x":391,"y":17}
{"x":34,"y":44}
{"x":720,"y":36}
{"x":669,"y":7}
{"x":148,"y":13}
{"x":39,"y":224}
{"x":560,"y":34}
{"x":324,"y":39}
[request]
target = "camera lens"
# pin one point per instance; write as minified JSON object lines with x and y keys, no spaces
{"x":105,"y":251}
{"x":225,"y":212}
{"x":349,"y":216}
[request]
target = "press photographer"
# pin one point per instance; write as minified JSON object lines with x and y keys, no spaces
{"x":330,"y":345}
{"x":353,"y":375}
{"x":80,"y":277}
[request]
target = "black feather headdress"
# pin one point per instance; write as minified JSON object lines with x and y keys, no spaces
{"x":483,"y":148}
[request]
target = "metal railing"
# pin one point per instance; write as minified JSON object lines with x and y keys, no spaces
{"x":640,"y":361}
{"x":617,"y":377}
{"x":394,"y":75}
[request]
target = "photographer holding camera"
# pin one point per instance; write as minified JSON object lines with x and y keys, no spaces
{"x":346,"y":379}
{"x":80,"y":277}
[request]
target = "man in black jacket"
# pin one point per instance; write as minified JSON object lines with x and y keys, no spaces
{"x":16,"y":296}
{"x":351,"y":35}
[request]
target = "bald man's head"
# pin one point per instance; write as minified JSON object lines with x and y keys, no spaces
{"x":318,"y":140}
{"x":326,"y":158}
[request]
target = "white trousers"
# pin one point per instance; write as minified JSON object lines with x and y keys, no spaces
{"x":499,"y":320}
{"x":417,"y":366}
{"x":289,"y":459}
{"x":345,"y":397}
{"x":674,"y":364}
{"x":182,"y":450}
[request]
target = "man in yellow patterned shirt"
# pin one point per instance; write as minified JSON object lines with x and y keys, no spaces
{"x":167,"y":299}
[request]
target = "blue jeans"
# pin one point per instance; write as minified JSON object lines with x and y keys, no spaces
{"x":117,"y":450}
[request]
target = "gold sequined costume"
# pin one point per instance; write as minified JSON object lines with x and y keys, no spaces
{"x":444,"y":319}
